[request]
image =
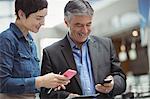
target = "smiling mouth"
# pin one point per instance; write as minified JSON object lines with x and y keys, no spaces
{"x":81,"y":34}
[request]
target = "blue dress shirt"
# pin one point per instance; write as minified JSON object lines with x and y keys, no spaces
{"x":19,"y":64}
{"x":84,"y":68}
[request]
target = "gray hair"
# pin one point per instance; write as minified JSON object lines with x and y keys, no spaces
{"x":77,"y":7}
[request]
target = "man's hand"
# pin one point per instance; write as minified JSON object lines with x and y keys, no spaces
{"x":106,"y":87}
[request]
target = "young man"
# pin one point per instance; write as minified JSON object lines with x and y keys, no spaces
{"x":19,"y":65}
{"x":93,"y":58}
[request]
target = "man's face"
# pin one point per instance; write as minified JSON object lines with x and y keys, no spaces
{"x":35,"y":20}
{"x":80,"y":27}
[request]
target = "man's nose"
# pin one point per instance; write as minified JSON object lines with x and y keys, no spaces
{"x":42,"y":21}
{"x":84,"y":29}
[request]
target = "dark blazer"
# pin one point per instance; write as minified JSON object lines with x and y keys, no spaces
{"x":59,"y":57}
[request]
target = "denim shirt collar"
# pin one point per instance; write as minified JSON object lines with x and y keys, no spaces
{"x":18,"y":32}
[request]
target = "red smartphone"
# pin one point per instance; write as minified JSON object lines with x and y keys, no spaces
{"x":70,"y":73}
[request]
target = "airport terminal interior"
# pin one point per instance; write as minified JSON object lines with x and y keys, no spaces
{"x":126,"y":22}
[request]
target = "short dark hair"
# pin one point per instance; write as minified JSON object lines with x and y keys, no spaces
{"x":29,"y":6}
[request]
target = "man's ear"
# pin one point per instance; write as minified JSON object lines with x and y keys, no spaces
{"x":21,"y":14}
{"x":66,"y":22}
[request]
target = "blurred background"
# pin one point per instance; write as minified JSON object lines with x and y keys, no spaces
{"x":126,"y":22}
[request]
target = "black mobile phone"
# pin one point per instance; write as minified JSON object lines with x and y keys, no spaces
{"x":106,"y":81}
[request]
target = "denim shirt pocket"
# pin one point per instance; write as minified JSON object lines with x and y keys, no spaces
{"x":24,"y":64}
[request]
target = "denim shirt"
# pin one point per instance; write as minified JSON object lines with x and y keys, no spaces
{"x":19,"y":64}
{"x":83,"y":63}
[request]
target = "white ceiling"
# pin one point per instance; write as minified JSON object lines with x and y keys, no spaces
{"x":117,"y":16}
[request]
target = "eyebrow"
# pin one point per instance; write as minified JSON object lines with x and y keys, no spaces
{"x":89,"y":23}
{"x":80,"y":23}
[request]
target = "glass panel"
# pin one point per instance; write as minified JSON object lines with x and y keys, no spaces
{"x":4,"y":23}
{"x":7,"y":14}
{"x":7,"y":6}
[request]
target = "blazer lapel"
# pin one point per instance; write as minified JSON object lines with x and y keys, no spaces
{"x":95,"y":60}
{"x":68,"y":55}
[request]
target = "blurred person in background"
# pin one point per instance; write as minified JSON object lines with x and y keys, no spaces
{"x":93,"y":58}
{"x":19,"y":65}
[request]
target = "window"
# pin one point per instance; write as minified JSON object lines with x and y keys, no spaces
{"x":7,"y":13}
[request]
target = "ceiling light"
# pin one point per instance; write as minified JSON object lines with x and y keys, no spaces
{"x":135,"y":33}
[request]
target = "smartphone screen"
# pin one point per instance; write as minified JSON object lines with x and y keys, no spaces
{"x":107,"y":80}
{"x":70,"y":73}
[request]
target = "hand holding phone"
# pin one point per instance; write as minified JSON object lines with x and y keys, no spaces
{"x":106,"y":81}
{"x":70,"y":73}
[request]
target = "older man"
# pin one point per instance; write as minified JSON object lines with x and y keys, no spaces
{"x":93,"y":58}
